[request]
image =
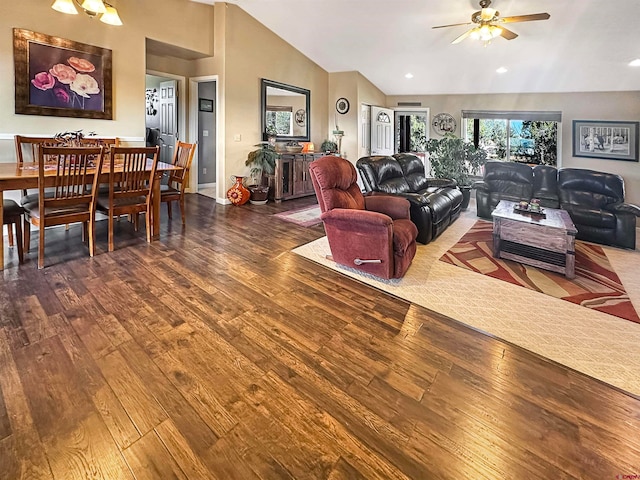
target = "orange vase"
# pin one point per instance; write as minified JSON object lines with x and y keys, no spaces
{"x":238,"y":194}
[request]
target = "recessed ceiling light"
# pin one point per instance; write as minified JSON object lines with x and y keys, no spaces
{"x":409,"y":75}
{"x":502,"y":70}
{"x":635,"y":63}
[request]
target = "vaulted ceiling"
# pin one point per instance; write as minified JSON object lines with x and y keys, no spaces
{"x":586,"y":45}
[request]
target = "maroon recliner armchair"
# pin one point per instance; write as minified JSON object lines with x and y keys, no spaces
{"x":373,"y":234}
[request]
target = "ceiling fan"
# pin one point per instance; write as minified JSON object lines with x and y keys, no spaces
{"x":489,"y":24}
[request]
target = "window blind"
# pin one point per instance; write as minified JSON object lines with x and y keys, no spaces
{"x":513,"y":115}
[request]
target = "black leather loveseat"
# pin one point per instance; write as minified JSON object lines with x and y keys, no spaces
{"x":594,"y":200}
{"x":435,"y":203}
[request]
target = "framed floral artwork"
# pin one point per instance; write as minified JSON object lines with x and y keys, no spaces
{"x":60,"y":77}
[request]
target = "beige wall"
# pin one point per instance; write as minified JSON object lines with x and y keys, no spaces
{"x":357,"y":90}
{"x":574,"y":106}
{"x":253,"y":52}
{"x":191,"y":30}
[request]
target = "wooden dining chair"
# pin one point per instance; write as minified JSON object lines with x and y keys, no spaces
{"x":131,"y":180}
{"x":27,"y":152}
{"x":71,"y":177}
{"x":13,"y":216}
{"x":173,"y":191}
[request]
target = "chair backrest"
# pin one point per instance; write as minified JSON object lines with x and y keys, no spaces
{"x":136,"y":173}
{"x":382,"y":174}
{"x":27,"y":147}
{"x":589,"y":188}
{"x":100,"y":142}
{"x":75,"y":180}
{"x":182,"y":158}
{"x":413,"y":170}
{"x":335,"y":183}
{"x":509,"y":178}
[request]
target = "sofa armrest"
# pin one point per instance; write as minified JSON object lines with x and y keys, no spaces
{"x":624,"y":207}
{"x":357,"y":218}
{"x":390,"y":205}
{"x":480,"y":185}
{"x":441,"y":182}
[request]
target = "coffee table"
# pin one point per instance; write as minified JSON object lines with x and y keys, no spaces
{"x":546,"y":242}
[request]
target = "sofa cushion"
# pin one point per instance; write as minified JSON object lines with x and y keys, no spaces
{"x":413,"y":170}
{"x":383,"y":174}
{"x":589,"y":188}
{"x":591,"y":217}
{"x":513,"y":180}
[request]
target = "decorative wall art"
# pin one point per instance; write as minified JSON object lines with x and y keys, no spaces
{"x":59,"y":77}
{"x":205,"y":105}
{"x":606,"y":140}
{"x":342,"y":105}
{"x":301,"y":117}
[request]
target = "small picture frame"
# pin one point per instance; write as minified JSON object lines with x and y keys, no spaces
{"x":607,"y":140}
{"x":205,"y":105}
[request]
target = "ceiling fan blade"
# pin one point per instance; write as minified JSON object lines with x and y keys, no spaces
{"x":508,"y":34}
{"x":525,"y":18}
{"x":453,"y":25}
{"x":463,"y":36}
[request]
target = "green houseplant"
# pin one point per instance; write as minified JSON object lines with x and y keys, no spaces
{"x":453,"y":157}
{"x":263,"y":163}
{"x":329,"y":146}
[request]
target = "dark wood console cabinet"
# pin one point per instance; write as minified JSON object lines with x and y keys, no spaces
{"x":292,"y":178}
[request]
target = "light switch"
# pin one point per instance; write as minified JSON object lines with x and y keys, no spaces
{"x":237,"y":137}
{"x":205,"y":133}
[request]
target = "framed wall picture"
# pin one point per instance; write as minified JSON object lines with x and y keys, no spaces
{"x":608,"y":140}
{"x":59,"y":77}
{"x":205,"y":105}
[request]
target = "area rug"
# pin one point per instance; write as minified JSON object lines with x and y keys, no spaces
{"x":305,"y":217}
{"x":595,"y":285}
{"x":600,"y":345}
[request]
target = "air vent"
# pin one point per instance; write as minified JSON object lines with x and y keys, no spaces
{"x":409,"y":104}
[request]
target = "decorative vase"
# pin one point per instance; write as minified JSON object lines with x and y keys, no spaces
{"x":238,"y":194}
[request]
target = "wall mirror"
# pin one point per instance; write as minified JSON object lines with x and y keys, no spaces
{"x":287,"y":109}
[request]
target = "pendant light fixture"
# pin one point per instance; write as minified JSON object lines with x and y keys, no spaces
{"x":108,"y":13}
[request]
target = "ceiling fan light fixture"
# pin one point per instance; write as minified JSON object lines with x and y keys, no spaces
{"x":485,"y":33}
{"x":65,"y":6}
{"x":487,"y":14}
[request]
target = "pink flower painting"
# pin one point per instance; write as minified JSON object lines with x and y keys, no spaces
{"x":64,"y":79}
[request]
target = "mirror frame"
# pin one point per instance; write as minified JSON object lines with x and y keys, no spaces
{"x":263,"y":110}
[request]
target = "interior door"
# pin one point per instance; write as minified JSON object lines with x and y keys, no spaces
{"x":168,"y":119}
{"x":382,"y":127}
{"x":365,"y":122}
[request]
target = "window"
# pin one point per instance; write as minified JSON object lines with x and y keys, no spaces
{"x":527,"y":137}
{"x":281,"y":118}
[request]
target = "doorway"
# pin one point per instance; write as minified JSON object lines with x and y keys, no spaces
{"x":207,"y":138}
{"x":161,"y":114}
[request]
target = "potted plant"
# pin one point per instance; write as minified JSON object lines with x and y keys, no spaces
{"x":329,"y":147}
{"x":454,"y":158}
{"x":263,"y":163}
{"x":272,"y":134}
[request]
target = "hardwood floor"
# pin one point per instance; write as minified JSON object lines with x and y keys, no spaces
{"x":215,"y":353}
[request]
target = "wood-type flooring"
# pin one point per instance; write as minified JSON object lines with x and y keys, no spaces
{"x":216,"y":353}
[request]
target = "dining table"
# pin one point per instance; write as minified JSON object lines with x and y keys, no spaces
{"x":16,"y":176}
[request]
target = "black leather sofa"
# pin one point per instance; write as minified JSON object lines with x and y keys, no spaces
{"x":594,"y":200}
{"x":434,"y":203}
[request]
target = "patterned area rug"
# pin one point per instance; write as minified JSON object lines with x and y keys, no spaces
{"x":305,"y":217}
{"x":595,"y":286}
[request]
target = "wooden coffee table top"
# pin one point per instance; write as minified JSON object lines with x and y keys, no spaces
{"x":553,"y":218}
